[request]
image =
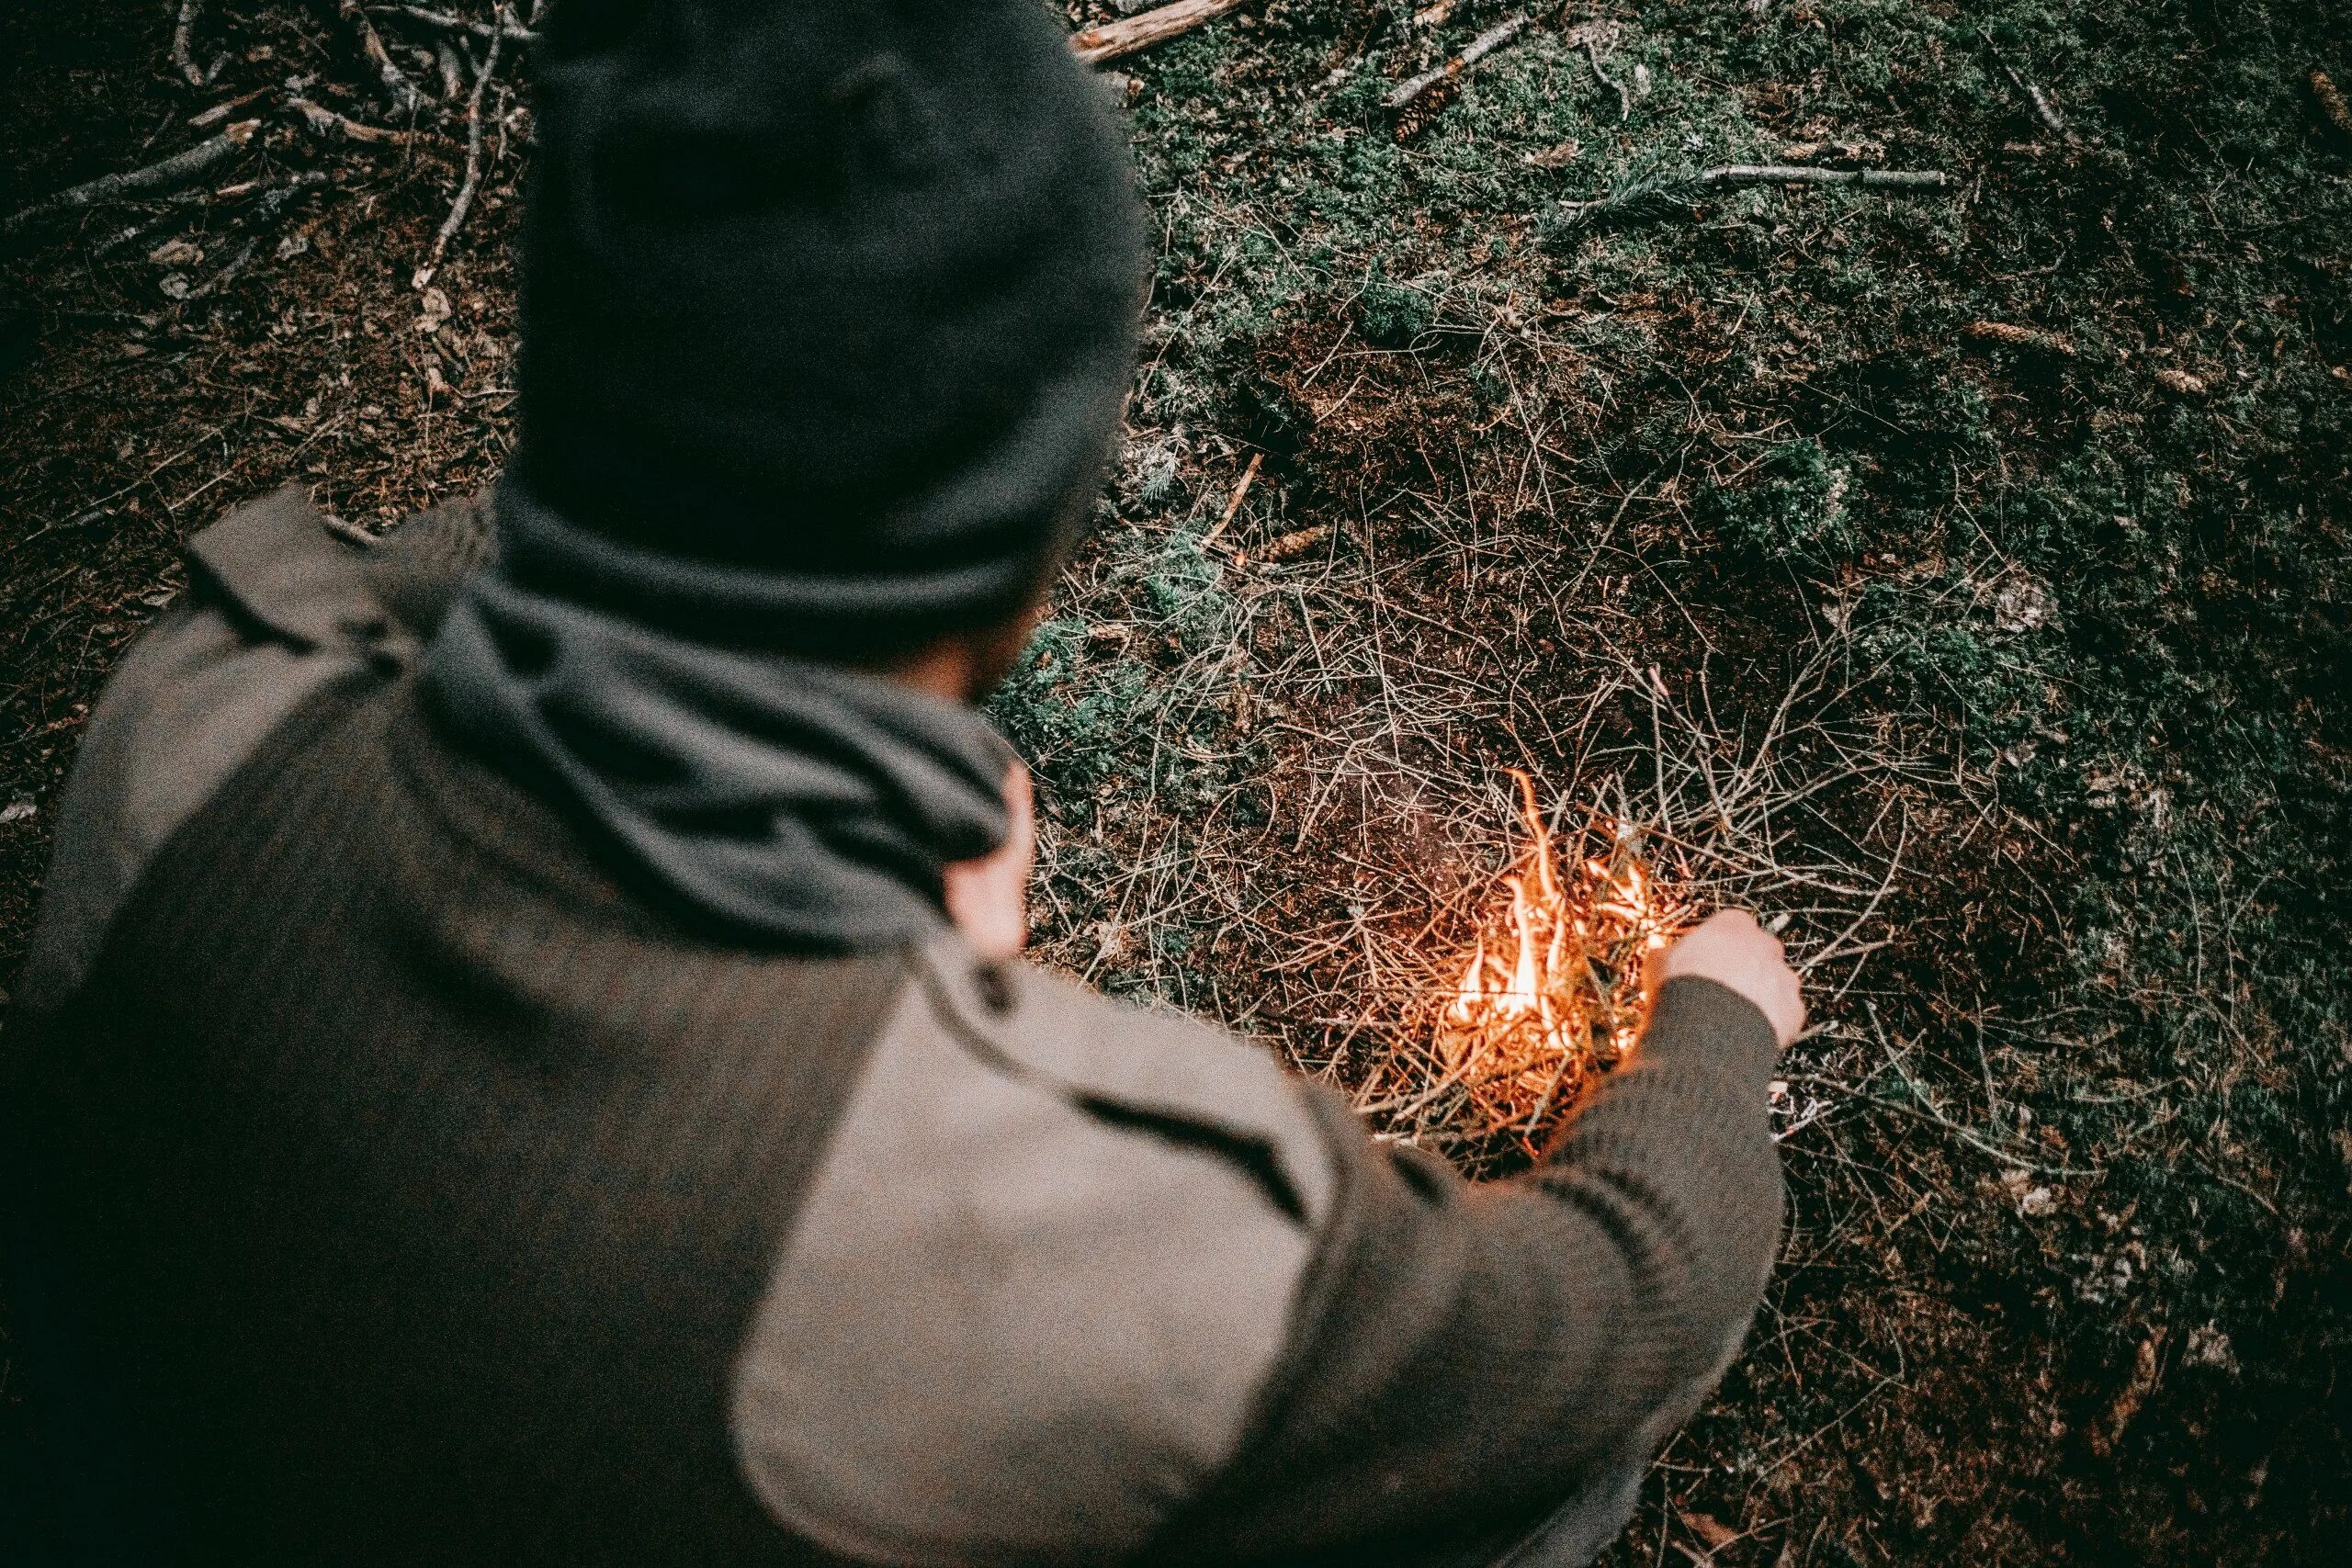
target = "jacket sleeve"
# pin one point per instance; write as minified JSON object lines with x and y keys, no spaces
{"x":1467,"y":1356}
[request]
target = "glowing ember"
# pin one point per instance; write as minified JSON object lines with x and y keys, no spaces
{"x":1554,"y":989}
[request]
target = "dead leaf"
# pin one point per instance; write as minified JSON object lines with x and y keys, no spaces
{"x":1708,"y":1528}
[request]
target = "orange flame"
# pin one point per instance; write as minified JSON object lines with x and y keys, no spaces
{"x":1553,"y":989}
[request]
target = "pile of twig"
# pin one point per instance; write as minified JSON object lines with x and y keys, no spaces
{"x":388,"y":78}
{"x":393,"y":77}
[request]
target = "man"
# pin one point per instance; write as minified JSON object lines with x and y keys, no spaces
{"x":529,"y":1064}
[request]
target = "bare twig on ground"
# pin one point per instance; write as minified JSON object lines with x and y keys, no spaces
{"x":1624,"y":93}
{"x":222,"y":111}
{"x":432,"y":19}
{"x":1674,"y":199}
{"x":403,"y":93}
{"x":2044,"y":110}
{"x":1485,"y":44}
{"x":1116,"y":41}
{"x":183,"y":33}
{"x":169,"y":174}
{"x":1240,"y":493}
{"x":327,"y":122}
{"x":465,"y":200}
{"x":227,"y":275}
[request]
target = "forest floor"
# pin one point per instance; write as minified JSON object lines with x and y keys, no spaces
{"x":1954,"y":572}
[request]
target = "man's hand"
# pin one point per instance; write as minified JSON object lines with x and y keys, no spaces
{"x":1733,"y":951}
{"x":989,"y":897}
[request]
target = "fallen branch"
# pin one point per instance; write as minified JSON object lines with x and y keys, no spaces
{"x":1485,"y":44}
{"x":2044,"y":110}
{"x":1674,"y":199}
{"x":464,"y":204}
{"x":405,"y":95}
{"x":327,"y":122}
{"x":170,"y":173}
{"x":1233,"y":507}
{"x":182,"y":33}
{"x":222,"y":111}
{"x":1624,"y":95}
{"x":1116,"y":40}
{"x":225,"y":275}
{"x":432,"y":19}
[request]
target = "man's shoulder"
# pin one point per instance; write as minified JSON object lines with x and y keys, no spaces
{"x":281,"y":602}
{"x":1040,"y":1280}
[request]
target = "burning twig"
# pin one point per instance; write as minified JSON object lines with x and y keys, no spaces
{"x":1116,"y":40}
{"x":1676,"y":198}
{"x":1555,"y":989}
{"x":1485,"y":44}
{"x":465,"y":201}
{"x":170,"y":173}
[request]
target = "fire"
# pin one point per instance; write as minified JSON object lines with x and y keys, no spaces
{"x":1554,"y":989}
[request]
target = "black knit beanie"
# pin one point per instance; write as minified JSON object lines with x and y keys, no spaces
{"x":828,"y":313}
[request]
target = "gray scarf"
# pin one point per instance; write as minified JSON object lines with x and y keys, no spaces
{"x":799,"y":803}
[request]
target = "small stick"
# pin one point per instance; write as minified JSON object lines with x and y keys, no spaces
{"x":2043,"y":109}
{"x":1116,"y":40}
{"x":326,"y":122}
{"x":404,"y":95}
{"x":462,"y":24}
{"x":464,"y":204}
{"x":226,"y":276}
{"x":1624,"y":97}
{"x":179,"y":169}
{"x":219,"y":112}
{"x":1233,"y":507}
{"x":183,"y":33}
{"x":1485,"y":44}
{"x":1669,"y":200}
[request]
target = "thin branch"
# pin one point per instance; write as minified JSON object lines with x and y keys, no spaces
{"x":1116,"y":40}
{"x":170,"y":173}
{"x":1624,"y":97}
{"x":1233,"y":507}
{"x":405,"y":95}
{"x":327,"y":122}
{"x":433,"y":18}
{"x":464,"y":204}
{"x":182,"y":33}
{"x":1674,"y":199}
{"x":2043,"y":109}
{"x":1485,"y":44}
